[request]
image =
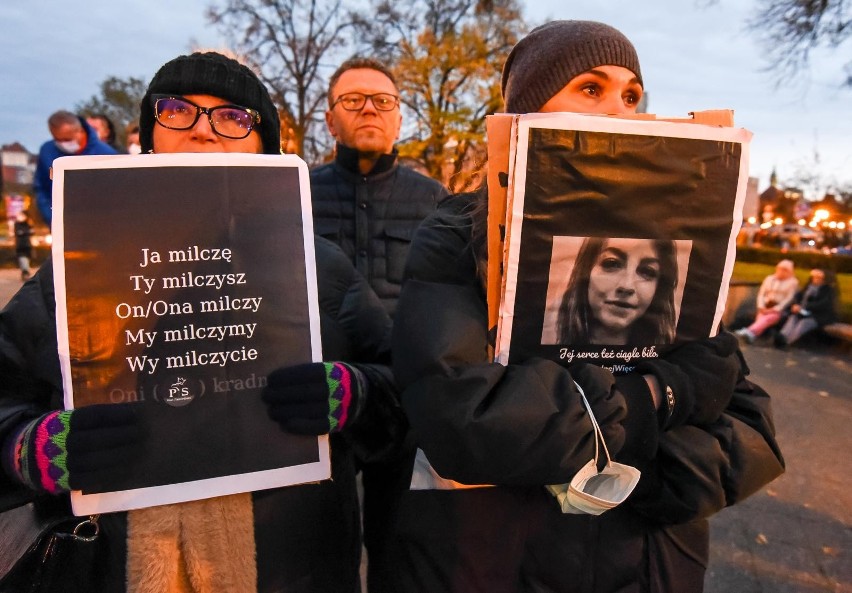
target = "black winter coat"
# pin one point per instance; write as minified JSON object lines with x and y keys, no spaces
{"x":23,"y":238}
{"x":821,"y":304}
{"x":307,"y":536}
{"x":523,"y":426}
{"x":372,"y":217}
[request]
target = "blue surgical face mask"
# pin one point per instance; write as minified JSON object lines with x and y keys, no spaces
{"x":68,"y":146}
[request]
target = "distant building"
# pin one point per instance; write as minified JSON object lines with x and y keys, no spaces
{"x":776,"y":202}
{"x":18,"y":167}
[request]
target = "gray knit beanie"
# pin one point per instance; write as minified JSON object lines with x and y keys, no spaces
{"x":211,"y":73}
{"x":544,"y":61}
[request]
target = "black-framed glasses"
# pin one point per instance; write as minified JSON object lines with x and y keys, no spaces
{"x":229,"y":121}
{"x":356,"y":101}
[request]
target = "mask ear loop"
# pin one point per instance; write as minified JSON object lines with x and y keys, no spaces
{"x":597,"y":428}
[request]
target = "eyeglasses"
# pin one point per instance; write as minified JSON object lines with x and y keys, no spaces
{"x":229,"y":121}
{"x":356,"y":101}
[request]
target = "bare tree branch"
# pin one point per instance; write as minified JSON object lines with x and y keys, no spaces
{"x":446,"y":56}
{"x":288,"y":42}
{"x":790,"y":29}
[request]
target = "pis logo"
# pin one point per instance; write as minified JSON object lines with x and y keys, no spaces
{"x":179,"y":393}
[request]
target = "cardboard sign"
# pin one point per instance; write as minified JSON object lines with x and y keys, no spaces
{"x":619,"y":237}
{"x":498,"y":129}
{"x":181,"y":281}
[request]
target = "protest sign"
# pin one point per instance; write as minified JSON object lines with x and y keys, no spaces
{"x":619,"y":236}
{"x":181,"y":281}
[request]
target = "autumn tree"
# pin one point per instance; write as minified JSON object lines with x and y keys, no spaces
{"x":290,"y":44}
{"x":119,"y":100}
{"x":790,"y":29}
{"x":446,"y":56}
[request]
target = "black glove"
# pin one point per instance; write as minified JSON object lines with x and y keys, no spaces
{"x":706,"y":371}
{"x":314,"y":398}
{"x":678,"y":399}
{"x":78,"y":449}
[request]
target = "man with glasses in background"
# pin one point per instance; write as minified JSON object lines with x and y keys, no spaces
{"x":370,"y":205}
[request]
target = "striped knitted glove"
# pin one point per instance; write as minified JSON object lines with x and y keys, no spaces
{"x":78,"y":449}
{"x":314,"y":398}
{"x":36,"y":454}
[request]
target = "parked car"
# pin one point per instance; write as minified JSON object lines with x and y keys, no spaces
{"x":796,"y":236}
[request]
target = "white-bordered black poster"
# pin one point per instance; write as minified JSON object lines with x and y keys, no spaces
{"x":181,"y":281}
{"x":621,"y":236}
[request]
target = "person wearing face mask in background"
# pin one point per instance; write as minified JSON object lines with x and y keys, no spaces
{"x":700,"y":433}
{"x":132,"y":131}
{"x":72,"y":136}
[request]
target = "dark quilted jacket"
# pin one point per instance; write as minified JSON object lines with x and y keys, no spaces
{"x":372,"y":217}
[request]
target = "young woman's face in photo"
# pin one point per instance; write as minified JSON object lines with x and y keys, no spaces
{"x":622,"y":285}
{"x":611,"y":90}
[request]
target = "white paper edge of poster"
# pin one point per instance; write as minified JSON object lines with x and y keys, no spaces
{"x":614,"y":125}
{"x":87,"y":504}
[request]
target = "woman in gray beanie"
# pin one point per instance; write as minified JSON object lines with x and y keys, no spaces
{"x":700,"y":433}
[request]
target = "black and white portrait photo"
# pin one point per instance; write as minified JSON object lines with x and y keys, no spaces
{"x":614,"y":290}
{"x":620,"y":237}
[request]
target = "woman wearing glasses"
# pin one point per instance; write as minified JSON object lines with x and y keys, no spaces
{"x":298,"y":539}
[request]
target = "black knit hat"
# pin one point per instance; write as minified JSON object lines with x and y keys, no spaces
{"x":543,"y":62}
{"x":211,"y":73}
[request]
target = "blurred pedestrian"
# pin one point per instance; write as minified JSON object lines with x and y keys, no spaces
{"x":15,"y":204}
{"x":105,"y":128}
{"x":776,"y":292}
{"x":132,"y":131}
{"x":72,"y":136}
{"x":813,"y":307}
{"x":23,"y":243}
